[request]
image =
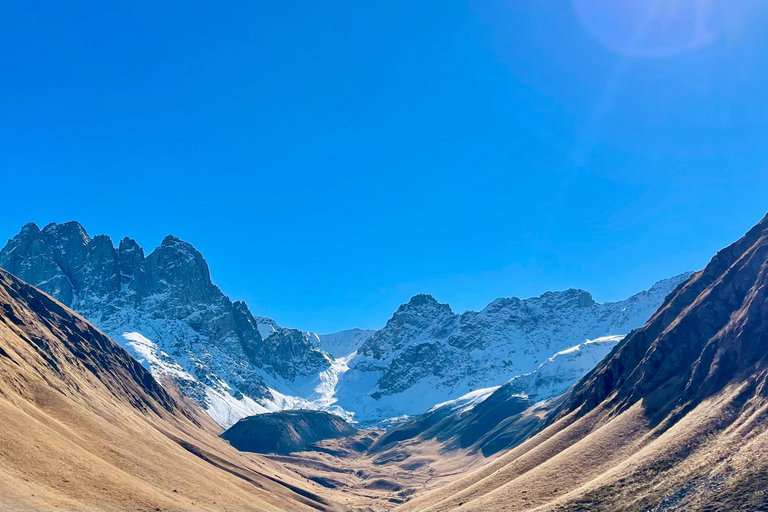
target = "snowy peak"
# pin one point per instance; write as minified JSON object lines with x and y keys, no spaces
{"x":423,"y":303}
{"x":419,"y":320}
{"x":209,"y":346}
{"x":570,"y":298}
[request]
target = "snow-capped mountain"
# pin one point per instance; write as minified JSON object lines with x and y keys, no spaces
{"x":427,"y":354}
{"x":164,"y":308}
{"x":167,"y":312}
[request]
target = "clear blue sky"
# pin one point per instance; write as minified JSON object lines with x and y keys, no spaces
{"x":331,"y":159}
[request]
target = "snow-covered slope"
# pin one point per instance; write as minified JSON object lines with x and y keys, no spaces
{"x":342,"y":344}
{"x":550,"y":379}
{"x":491,"y":419}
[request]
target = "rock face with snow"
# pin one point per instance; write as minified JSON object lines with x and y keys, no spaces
{"x":427,"y":354}
{"x":343,"y":343}
{"x":186,"y":327}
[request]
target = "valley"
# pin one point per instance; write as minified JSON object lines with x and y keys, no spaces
{"x":662,"y":414}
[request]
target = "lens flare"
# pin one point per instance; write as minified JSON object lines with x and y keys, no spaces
{"x":649,"y":28}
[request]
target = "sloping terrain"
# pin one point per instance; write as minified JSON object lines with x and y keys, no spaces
{"x":675,"y":418}
{"x":285,"y":432}
{"x":85,"y":426}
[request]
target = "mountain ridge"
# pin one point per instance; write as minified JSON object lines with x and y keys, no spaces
{"x":166,"y":310}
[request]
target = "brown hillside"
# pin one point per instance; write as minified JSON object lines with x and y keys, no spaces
{"x":84,"y":426}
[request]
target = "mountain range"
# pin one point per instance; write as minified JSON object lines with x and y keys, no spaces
{"x":164,"y":308}
{"x":670,"y":417}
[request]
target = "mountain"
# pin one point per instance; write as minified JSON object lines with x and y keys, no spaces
{"x":86,"y":427}
{"x":427,"y":354}
{"x":166,"y":311}
{"x":286,"y":431}
{"x":674,"y":418}
{"x":212,"y":346}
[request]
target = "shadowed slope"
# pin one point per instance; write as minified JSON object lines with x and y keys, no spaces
{"x":84,"y":426}
{"x":675,"y":418}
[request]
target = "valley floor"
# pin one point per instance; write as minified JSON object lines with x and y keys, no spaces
{"x":381,"y":480}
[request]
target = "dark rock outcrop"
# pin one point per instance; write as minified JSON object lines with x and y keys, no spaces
{"x":286,"y":431}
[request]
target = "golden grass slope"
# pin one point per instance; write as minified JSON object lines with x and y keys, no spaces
{"x":84,"y":427}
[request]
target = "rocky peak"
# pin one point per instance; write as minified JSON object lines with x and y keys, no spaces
{"x":67,"y":231}
{"x":130,"y":246}
{"x":68,"y":243}
{"x":29,"y":256}
{"x":421,"y":319}
{"x":176,"y":267}
{"x":423,"y":303}
{"x":29,"y":229}
{"x":130,"y":257}
{"x":570,"y":298}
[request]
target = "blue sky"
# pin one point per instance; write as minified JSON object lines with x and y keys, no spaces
{"x":331,"y":159}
